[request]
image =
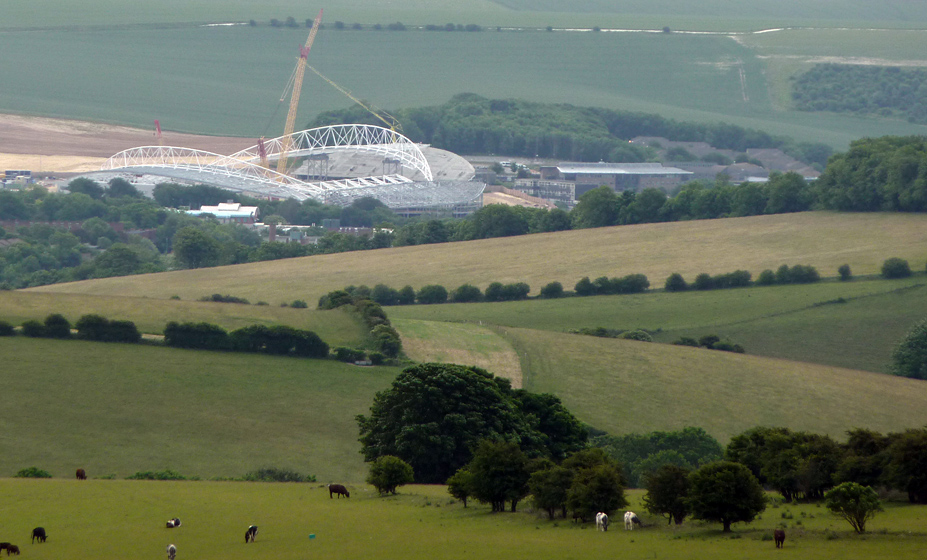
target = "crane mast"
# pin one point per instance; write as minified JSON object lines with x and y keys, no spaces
{"x":294,"y":98}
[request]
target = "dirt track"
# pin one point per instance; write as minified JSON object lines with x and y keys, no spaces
{"x":46,"y":145}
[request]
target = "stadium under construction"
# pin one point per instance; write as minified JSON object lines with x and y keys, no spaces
{"x":332,"y":164}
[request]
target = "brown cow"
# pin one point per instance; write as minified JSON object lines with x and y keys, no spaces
{"x":81,"y":474}
{"x":779,"y":536}
{"x":338,"y":489}
{"x":12,"y":549}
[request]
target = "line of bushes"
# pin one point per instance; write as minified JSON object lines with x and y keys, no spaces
{"x":277,"y":339}
{"x":386,"y":339}
{"x":89,"y":327}
{"x":711,"y":342}
{"x":266,"y":474}
{"x":602,"y":332}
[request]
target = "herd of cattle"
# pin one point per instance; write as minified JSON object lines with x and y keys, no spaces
{"x":601,"y":522}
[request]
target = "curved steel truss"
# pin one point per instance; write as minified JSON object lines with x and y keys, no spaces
{"x":241,"y":170}
{"x":353,"y":137}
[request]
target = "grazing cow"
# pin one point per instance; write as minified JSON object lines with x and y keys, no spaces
{"x":338,"y":489}
{"x":5,"y":546}
{"x":81,"y":474}
{"x":171,"y":523}
{"x":630,"y":518}
{"x":171,"y":552}
{"x":250,"y":533}
{"x":601,"y":521}
{"x":779,"y":536}
{"x":12,"y":549}
{"x":39,"y":533}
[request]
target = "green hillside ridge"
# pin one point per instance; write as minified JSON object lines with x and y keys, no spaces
{"x":118,"y":409}
{"x":806,"y":323}
{"x":824,"y":240}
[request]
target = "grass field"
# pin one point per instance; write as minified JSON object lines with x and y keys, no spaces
{"x":822,"y":240}
{"x":125,"y":520}
{"x":457,"y":343}
{"x":335,"y":327}
{"x":787,"y":322}
{"x":118,"y":409}
{"x":632,"y":387}
{"x":689,"y":77}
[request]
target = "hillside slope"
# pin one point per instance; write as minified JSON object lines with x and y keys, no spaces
{"x":821,"y":239}
{"x":626,"y":386}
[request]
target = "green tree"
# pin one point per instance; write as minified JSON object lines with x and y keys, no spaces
{"x":726,"y":493}
{"x":499,"y":474}
{"x":552,"y":290}
{"x":910,"y":356}
{"x":195,"y":249}
{"x":895,"y":267}
{"x":549,"y":488}
{"x":434,"y":414}
{"x":460,"y":485}
{"x":388,"y":473}
{"x":56,"y":326}
{"x":432,"y":294}
{"x":597,"y":488}
{"x":86,"y":186}
{"x":907,"y":464}
{"x":845,"y":272}
{"x":855,"y":503}
{"x":675,"y":283}
{"x":599,"y":207}
{"x":667,"y":492}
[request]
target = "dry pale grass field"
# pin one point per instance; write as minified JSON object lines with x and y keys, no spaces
{"x":821,"y":239}
{"x":460,"y":343}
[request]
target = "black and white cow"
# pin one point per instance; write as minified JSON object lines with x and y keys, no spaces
{"x":171,"y":552}
{"x":631,"y":519}
{"x":171,"y":523}
{"x":250,"y":533}
{"x":601,"y":521}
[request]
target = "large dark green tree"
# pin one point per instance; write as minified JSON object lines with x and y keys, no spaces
{"x":195,"y":249}
{"x":726,"y":493}
{"x":667,"y":491}
{"x":597,"y":483}
{"x":499,"y":474}
{"x":433,"y":415}
{"x":907,"y":464}
{"x":910,"y":356}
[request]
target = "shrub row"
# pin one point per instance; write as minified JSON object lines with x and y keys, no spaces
{"x":386,"y":340}
{"x":277,"y":339}
{"x":89,"y":327}
{"x":267,"y":474}
{"x":602,"y":332}
{"x":712,"y":342}
{"x":630,"y":284}
{"x":225,"y":299}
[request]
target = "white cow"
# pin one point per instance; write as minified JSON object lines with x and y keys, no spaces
{"x":171,"y":552}
{"x":601,"y":521}
{"x":630,"y":518}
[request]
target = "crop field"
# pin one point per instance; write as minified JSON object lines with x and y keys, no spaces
{"x":125,"y":520}
{"x":335,"y":327}
{"x":789,"y":322}
{"x":820,"y":239}
{"x":116,"y":409}
{"x":195,"y":83}
{"x":623,"y":386}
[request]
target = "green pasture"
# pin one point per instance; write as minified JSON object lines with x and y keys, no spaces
{"x":824,"y":240}
{"x":335,"y":327}
{"x":229,"y":80}
{"x":791,"y":322}
{"x":125,"y":519}
{"x":115,"y":409}
{"x":624,"y":386}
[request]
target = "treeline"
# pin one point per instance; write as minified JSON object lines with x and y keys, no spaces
{"x":884,"y":91}
{"x":876,"y":175}
{"x":385,"y":338}
{"x":292,"y":23}
{"x":472,"y":124}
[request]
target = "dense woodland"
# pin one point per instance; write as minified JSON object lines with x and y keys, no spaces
{"x":471,"y":124}
{"x":884,"y":91}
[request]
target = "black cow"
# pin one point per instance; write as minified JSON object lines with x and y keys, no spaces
{"x":81,"y":474}
{"x":12,"y":549}
{"x":251,"y":533}
{"x":338,"y":489}
{"x":779,"y":537}
{"x":39,"y":533}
